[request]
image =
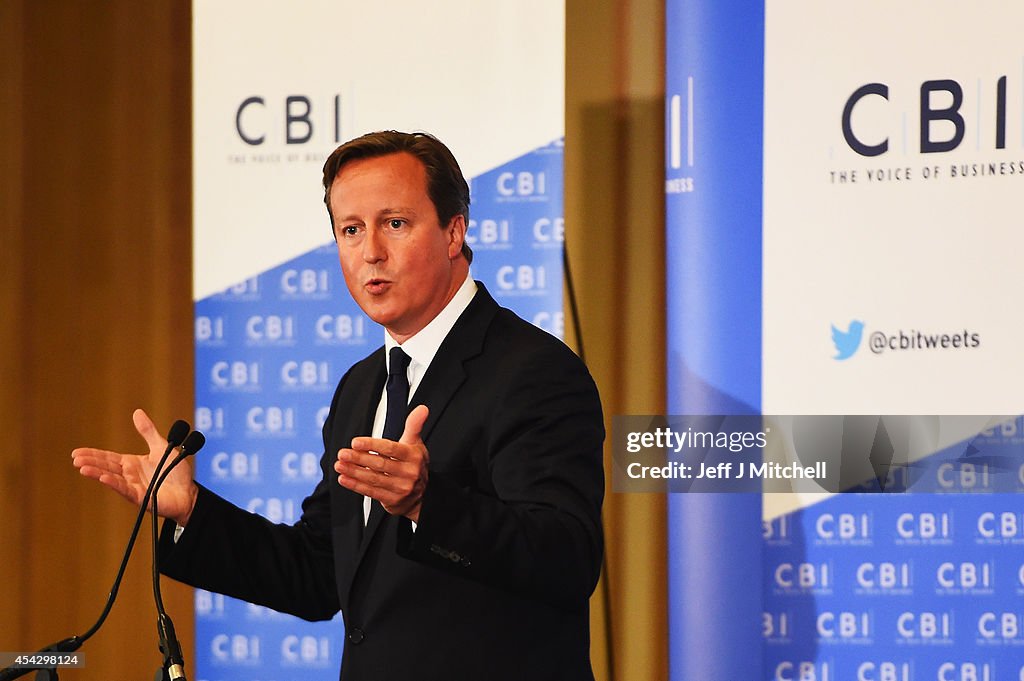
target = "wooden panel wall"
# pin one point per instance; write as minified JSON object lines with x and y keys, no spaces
{"x":95,"y":300}
{"x":95,"y":297}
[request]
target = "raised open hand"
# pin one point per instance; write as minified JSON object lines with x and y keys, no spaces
{"x":129,"y":474}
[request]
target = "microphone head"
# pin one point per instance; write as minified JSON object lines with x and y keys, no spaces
{"x":193,"y":443}
{"x":176,"y":435}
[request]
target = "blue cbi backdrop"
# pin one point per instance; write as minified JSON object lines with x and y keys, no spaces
{"x":269,"y":353}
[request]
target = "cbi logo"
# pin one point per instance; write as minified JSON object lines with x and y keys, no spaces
{"x":235,"y":466}
{"x":1006,"y":527}
{"x":235,"y":649}
{"x":208,"y":605}
{"x":235,"y":376}
{"x":300,"y":467}
{"x":851,"y":529}
{"x":305,"y":651}
{"x":549,"y":233}
{"x":342,"y":329}
{"x":966,"y":671}
{"x":551,"y":321}
{"x":886,"y":670}
{"x":963,"y":476}
{"x":274,"y":509}
{"x":924,"y":628}
{"x":524,"y":185}
{"x":248,"y":290}
{"x":775,"y":627}
{"x":1008,"y":432}
{"x":884,"y":578}
{"x":305,"y":284}
{"x":914,"y":529}
{"x":270,"y":421}
{"x":521,"y":279}
{"x":997,"y":628}
{"x":211,"y":421}
{"x":965,"y":578}
{"x":309,"y":375}
{"x":489,"y":234}
{"x":803,"y":670}
{"x":775,"y":532}
{"x":292,"y":120}
{"x":270,"y":330}
{"x":209,"y":331}
{"x":939,"y":110}
{"x":844,"y":627}
{"x":803,"y":578}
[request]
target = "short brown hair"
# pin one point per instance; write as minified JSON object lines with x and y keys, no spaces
{"x":446,"y":186}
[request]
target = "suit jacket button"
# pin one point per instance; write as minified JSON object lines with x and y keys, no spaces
{"x":355,"y":636}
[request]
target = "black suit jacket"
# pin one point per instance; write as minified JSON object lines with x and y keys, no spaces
{"x":495,"y":580}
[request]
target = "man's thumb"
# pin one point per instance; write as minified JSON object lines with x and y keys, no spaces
{"x":414,"y":424}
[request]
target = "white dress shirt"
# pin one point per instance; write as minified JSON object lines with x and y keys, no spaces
{"x":421,"y":349}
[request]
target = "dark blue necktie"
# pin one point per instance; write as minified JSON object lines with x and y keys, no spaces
{"x":397,"y":389}
{"x":398,"y":395}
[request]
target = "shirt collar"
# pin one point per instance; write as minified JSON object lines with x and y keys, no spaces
{"x":423,"y":345}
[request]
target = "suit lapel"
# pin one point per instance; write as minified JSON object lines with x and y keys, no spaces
{"x":447,"y":371}
{"x":368,"y":383}
{"x":443,"y":378}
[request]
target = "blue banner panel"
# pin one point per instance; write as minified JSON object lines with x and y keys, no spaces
{"x":905,"y":586}
{"x":892,"y":588}
{"x":269,"y":353}
{"x":517,"y":230}
{"x":713,"y":195}
{"x":819,"y":195}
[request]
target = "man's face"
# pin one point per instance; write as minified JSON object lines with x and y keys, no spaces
{"x":400,"y":266}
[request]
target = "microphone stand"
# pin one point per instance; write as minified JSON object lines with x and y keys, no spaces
{"x":177,"y":434}
{"x":173,"y":666}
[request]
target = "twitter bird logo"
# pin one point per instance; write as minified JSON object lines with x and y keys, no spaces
{"x":848,"y":341}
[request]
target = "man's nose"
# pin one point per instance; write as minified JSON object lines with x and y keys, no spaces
{"x":373,"y":246}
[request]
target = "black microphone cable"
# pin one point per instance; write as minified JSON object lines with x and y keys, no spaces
{"x":173,"y":660}
{"x":175,"y":436}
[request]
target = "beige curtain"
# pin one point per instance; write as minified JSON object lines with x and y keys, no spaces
{"x":614,"y":215}
{"x":95,"y":298}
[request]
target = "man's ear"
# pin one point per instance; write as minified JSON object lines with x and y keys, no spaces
{"x":456,"y":230}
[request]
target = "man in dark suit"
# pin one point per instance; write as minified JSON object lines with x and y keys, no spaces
{"x":457,"y":525}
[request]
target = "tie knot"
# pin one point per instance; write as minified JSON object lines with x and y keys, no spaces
{"x":399,"y":364}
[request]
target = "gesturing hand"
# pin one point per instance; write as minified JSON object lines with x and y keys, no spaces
{"x":129,"y":474}
{"x":393,"y":473}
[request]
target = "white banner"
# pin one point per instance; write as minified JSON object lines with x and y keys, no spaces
{"x":277,"y":86}
{"x":894,"y":162}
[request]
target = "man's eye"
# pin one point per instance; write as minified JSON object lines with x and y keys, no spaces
{"x":395,"y":223}
{"x":350,"y":230}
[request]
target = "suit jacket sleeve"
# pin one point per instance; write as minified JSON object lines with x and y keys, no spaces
{"x":231,"y":551}
{"x":525,"y":515}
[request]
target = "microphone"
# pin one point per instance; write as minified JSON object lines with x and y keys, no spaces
{"x":177,"y":435}
{"x":173,"y":666}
